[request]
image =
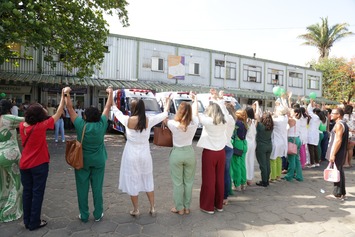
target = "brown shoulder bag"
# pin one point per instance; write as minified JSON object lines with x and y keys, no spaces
{"x":74,"y":152}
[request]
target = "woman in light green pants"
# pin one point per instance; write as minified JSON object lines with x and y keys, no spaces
{"x":182,"y":157}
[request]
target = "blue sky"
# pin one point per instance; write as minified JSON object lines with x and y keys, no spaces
{"x":268,"y":28}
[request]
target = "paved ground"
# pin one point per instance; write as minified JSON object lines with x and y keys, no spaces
{"x":282,"y":209}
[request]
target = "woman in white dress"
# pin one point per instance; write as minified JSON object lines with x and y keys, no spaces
{"x":350,"y":121}
{"x":313,"y":134}
{"x":279,"y":142}
{"x":251,"y":141}
{"x":136,"y":173}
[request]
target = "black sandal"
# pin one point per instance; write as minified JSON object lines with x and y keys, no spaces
{"x":42,"y":224}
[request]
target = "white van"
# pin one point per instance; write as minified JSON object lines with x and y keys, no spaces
{"x":123,"y":97}
{"x":228,"y":98}
{"x":176,"y":99}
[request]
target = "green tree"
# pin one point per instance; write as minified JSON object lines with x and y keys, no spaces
{"x":323,"y":37}
{"x":338,"y":82}
{"x":75,"y":29}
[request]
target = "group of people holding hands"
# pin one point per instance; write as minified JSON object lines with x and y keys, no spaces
{"x":231,"y":140}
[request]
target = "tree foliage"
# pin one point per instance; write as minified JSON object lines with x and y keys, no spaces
{"x":75,"y":29}
{"x":323,"y":37}
{"x":338,"y":78}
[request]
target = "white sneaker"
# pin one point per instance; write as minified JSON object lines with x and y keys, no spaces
{"x":219,"y":210}
{"x":97,"y":220}
{"x":56,"y":140}
{"x":317,"y":165}
{"x":208,"y":212}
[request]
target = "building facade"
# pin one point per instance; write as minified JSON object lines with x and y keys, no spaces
{"x":132,"y":62}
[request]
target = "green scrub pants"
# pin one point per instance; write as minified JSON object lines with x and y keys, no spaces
{"x":84,"y":177}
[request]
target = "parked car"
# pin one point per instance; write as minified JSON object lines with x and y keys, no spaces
{"x":176,"y":99}
{"x":123,"y":97}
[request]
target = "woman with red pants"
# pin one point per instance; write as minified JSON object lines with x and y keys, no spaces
{"x":213,"y":140}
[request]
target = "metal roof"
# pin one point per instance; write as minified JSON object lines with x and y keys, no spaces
{"x":11,"y":78}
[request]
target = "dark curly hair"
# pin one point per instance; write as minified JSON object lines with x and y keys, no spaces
{"x":35,"y":114}
{"x":5,"y":106}
{"x":92,"y":115}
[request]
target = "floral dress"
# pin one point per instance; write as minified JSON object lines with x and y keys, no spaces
{"x":10,"y":182}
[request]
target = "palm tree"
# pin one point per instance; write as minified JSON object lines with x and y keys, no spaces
{"x":323,"y":37}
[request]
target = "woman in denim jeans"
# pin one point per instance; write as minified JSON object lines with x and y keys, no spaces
{"x":34,"y":162}
{"x":59,"y":125}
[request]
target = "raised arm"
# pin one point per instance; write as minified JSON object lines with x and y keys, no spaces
{"x":59,"y":111}
{"x":109,"y":101}
{"x":69,"y":104}
{"x":256,"y":112}
{"x":289,"y":95}
{"x":194,"y":104}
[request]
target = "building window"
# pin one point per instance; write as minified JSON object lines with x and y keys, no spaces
{"x":295,"y":79}
{"x":252,"y":73}
{"x":228,"y":72}
{"x":231,"y":71}
{"x":157,"y":64}
{"x":194,"y":68}
{"x":219,"y":69}
{"x":106,"y":49}
{"x":313,"y":82}
{"x":275,"y":77}
{"x":20,"y":51}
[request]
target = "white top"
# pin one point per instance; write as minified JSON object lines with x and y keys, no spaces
{"x":303,"y":130}
{"x":350,"y":121}
{"x":279,"y":137}
{"x":14,"y":110}
{"x":213,"y":137}
{"x":79,"y":112}
{"x":180,"y":137}
{"x":51,"y":111}
{"x":295,"y":130}
{"x":136,"y":172}
{"x":313,"y":129}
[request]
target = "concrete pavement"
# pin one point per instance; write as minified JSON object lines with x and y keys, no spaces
{"x":282,"y":209}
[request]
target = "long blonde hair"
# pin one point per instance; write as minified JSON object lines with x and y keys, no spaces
{"x":184,"y":115}
{"x":215,"y":112}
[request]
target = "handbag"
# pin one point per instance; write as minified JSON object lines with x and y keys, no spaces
{"x":331,"y":173}
{"x":237,"y":152}
{"x":292,"y":148}
{"x":74,"y":152}
{"x":163,"y":136}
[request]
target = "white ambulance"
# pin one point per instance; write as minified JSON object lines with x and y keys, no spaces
{"x":123,"y":97}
